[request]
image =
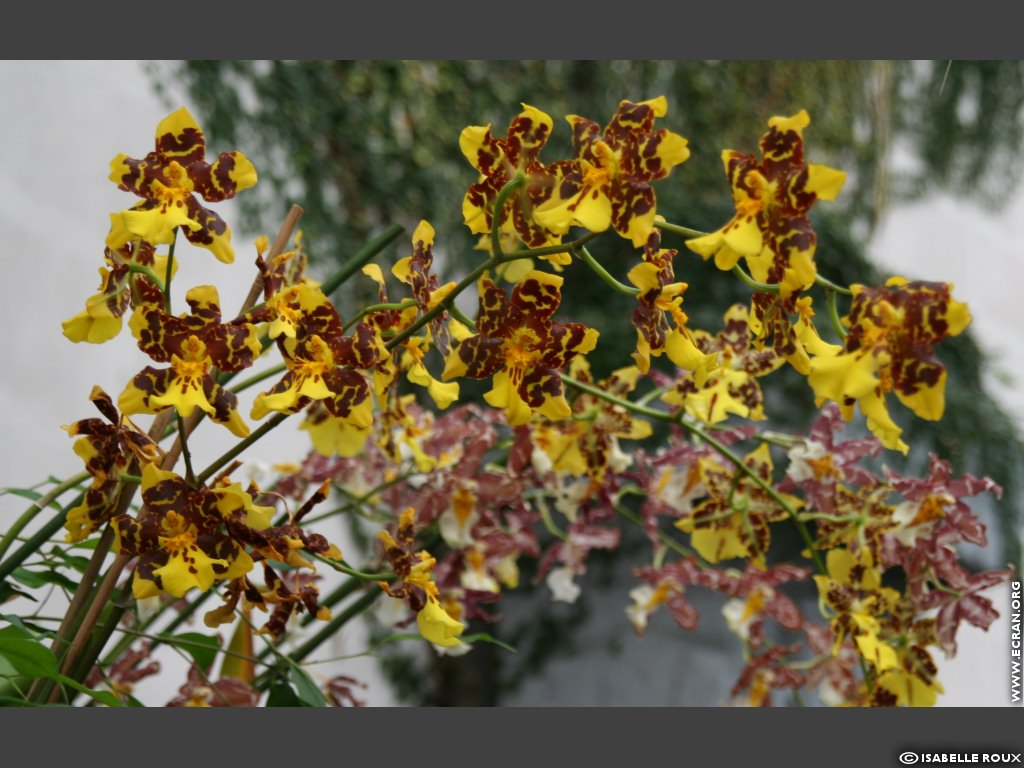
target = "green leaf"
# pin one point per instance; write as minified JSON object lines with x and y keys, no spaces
{"x":282,"y":695}
{"x":30,"y":495}
{"x":309,"y":692}
{"x":71,"y":561}
{"x":8,"y":592}
{"x":202,"y":648}
{"x":37,"y":579}
{"x":29,"y":630}
{"x":483,"y":637}
{"x":103,"y":697}
{"x":28,"y":657}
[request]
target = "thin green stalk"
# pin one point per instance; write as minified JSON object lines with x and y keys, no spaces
{"x":190,"y":476}
{"x":34,"y":542}
{"x":335,"y":624}
{"x":584,"y":255}
{"x":545,"y":516}
{"x":363,"y":255}
{"x":224,"y":458}
{"x":30,"y":514}
{"x":396,"y":306}
{"x":824,"y":282}
{"x":678,"y":230}
{"x":664,"y":538}
{"x":459,"y":315}
{"x":166,"y":287}
{"x":348,"y":570}
{"x":142,"y":269}
{"x":755,"y":284}
{"x":551,"y":250}
{"x":499,"y":205}
{"x":339,"y":594}
{"x":833,"y":314}
{"x":256,"y":378}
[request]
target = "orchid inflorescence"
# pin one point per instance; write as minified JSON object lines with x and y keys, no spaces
{"x":558,"y":457}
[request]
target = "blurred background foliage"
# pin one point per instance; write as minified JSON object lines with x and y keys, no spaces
{"x":364,"y":144}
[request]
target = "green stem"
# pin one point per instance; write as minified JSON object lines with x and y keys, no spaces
{"x":166,"y":287}
{"x":824,"y":282}
{"x":256,"y":378}
{"x":459,"y":315}
{"x":833,"y":314}
{"x":339,"y":594}
{"x":408,"y":304}
{"x":34,"y":542}
{"x":584,"y":255}
{"x":335,"y":624}
{"x":755,"y":284}
{"x":342,"y":567}
{"x":499,"y":205}
{"x":550,"y":250}
{"x":142,"y":269}
{"x":545,"y":516}
{"x":224,"y":458}
{"x":664,"y":538}
{"x":363,"y":255}
{"x":678,"y":230}
{"x":29,"y":514}
{"x":190,"y":476}
{"x":124,"y":477}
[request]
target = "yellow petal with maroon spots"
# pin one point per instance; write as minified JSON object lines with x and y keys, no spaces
{"x":958,"y":316}
{"x":157,"y":225}
{"x":842,"y":376}
{"x":480,"y":148}
{"x":881,"y":655}
{"x":824,"y":182}
{"x":743,"y":236}
{"x":152,"y":475}
{"x":504,"y":394}
{"x":95,"y":325}
{"x":592,"y":210}
{"x":230,"y":173}
{"x":231,"y":498}
{"x":442,"y":394}
{"x":718,"y":543}
{"x":179,"y":137}
{"x":185,"y":393}
{"x":908,"y":689}
{"x":401,"y":269}
{"x":476,"y":213}
{"x":880,"y":422}
{"x":659,"y":152}
{"x":929,"y":400}
{"x":332,"y":436}
{"x":645,"y":277}
{"x":213,"y":233}
{"x":543,"y":392}
{"x":684,"y":352}
{"x":186,"y":569}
